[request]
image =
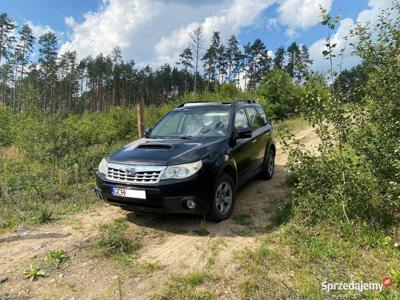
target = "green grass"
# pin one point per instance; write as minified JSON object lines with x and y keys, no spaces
{"x":114,"y":242}
{"x":294,"y":261}
{"x":243,"y":219}
{"x":56,"y":257}
{"x":290,"y":125}
{"x":195,"y":285}
{"x":202,"y":231}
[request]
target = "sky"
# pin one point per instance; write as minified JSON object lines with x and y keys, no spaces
{"x":155,"y":32}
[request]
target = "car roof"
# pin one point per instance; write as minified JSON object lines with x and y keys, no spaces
{"x":219,"y":105}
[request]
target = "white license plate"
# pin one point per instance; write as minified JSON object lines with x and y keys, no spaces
{"x":138,"y":194}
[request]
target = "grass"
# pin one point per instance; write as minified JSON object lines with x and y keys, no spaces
{"x":113,"y":241}
{"x":290,"y":125}
{"x":202,"y":231}
{"x":294,"y":261}
{"x":243,"y":219}
{"x":216,"y":247}
{"x":195,"y":285}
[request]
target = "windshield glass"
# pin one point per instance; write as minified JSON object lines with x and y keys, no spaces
{"x":195,"y":123}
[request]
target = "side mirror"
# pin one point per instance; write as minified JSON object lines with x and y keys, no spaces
{"x":146,"y":131}
{"x":243,"y":133}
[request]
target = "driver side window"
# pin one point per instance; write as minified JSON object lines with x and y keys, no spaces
{"x":241,"y":119}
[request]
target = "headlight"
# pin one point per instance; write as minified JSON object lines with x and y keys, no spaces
{"x":103,"y":166}
{"x":182,"y":171}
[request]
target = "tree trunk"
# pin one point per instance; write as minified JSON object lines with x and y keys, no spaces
{"x":140,"y":120}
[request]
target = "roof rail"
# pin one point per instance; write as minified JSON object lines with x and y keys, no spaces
{"x":234,"y":103}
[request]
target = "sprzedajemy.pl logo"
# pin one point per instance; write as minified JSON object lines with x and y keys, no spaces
{"x":356,"y":286}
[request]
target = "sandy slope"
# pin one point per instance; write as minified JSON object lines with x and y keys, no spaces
{"x":169,"y":240}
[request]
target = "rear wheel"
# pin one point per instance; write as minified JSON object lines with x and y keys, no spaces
{"x":269,"y":168}
{"x":223,"y":198}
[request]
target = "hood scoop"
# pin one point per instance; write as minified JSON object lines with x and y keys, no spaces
{"x":154,"y":146}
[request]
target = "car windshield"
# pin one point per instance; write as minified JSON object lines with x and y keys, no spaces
{"x":194,"y":123}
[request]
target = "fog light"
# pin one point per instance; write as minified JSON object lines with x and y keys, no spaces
{"x":191,"y":204}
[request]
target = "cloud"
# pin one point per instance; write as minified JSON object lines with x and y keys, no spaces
{"x":301,"y":14}
{"x":369,"y":15}
{"x":155,"y":31}
{"x":39,"y":30}
{"x":229,"y":21}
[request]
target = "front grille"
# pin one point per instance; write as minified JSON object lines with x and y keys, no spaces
{"x":142,"y":175}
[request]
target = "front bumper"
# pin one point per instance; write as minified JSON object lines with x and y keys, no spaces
{"x":165,"y":197}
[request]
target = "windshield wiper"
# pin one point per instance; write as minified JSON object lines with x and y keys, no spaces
{"x":186,"y":137}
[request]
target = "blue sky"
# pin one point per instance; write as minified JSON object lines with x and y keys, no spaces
{"x":155,"y":31}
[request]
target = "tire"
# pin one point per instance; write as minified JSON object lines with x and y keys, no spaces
{"x":221,"y":206}
{"x":269,"y":168}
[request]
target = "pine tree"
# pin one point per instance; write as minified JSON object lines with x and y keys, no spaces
{"x":234,"y":56}
{"x":7,"y":40}
{"x":210,"y":58}
{"x":279,"y":59}
{"x":196,"y":37}
{"x":304,"y":63}
{"x":293,"y":53}
{"x":24,"y":48}
{"x":186,"y":60}
{"x":48,"y":63}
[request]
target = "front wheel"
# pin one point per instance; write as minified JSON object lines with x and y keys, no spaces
{"x":268,"y":171}
{"x":223,"y":198}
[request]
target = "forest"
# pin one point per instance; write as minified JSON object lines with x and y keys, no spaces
{"x":54,"y":82}
{"x":337,"y":214}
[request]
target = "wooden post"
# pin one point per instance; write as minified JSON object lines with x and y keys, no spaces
{"x":140,"y":120}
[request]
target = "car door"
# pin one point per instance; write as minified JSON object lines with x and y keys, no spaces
{"x":241,"y":151}
{"x":259,"y":138}
{"x":268,"y":129}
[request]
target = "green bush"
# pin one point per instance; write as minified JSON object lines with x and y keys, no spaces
{"x":6,"y":119}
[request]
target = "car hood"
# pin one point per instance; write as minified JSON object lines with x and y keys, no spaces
{"x":165,"y":151}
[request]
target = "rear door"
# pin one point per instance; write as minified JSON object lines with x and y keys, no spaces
{"x":259,"y":138}
{"x":268,"y":129}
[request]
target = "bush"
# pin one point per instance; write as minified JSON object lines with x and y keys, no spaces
{"x":280,"y":94}
{"x":6,"y":119}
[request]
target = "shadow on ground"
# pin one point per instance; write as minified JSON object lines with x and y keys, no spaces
{"x":255,"y":205}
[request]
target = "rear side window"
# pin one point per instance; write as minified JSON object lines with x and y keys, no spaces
{"x":263,"y":114}
{"x":256,"y":120}
{"x":241,"y":119}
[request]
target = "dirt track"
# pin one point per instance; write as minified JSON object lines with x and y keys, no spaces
{"x":168,"y":240}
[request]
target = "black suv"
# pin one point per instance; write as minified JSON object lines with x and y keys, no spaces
{"x":192,"y":161}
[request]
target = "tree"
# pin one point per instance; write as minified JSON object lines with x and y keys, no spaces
{"x":210,"y":58}
{"x":234,"y":56}
{"x":6,"y":38}
{"x":259,"y":62}
{"x":279,"y":59}
{"x":304,"y":63}
{"x":196,"y":37}
{"x":6,"y":42}
{"x":186,"y":60}
{"x":351,"y":83}
{"x":48,"y":63}
{"x":293,"y":52}
{"x":24,"y":47}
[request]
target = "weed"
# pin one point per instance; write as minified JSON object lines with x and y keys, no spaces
{"x":112,"y":240}
{"x":202,"y":231}
{"x":243,"y":219}
{"x":33,"y":273}
{"x":44,"y":216}
{"x":57,"y":256}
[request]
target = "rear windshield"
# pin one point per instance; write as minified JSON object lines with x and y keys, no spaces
{"x":194,"y":123}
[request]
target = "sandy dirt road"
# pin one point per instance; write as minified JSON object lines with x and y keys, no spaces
{"x":170,"y":241}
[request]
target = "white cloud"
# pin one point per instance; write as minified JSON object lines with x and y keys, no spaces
{"x":369,"y":15}
{"x":155,"y":31}
{"x":39,"y":30}
{"x":301,"y":14}
{"x":228,"y":21}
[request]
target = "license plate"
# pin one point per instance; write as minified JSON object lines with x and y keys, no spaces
{"x":138,"y":194}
